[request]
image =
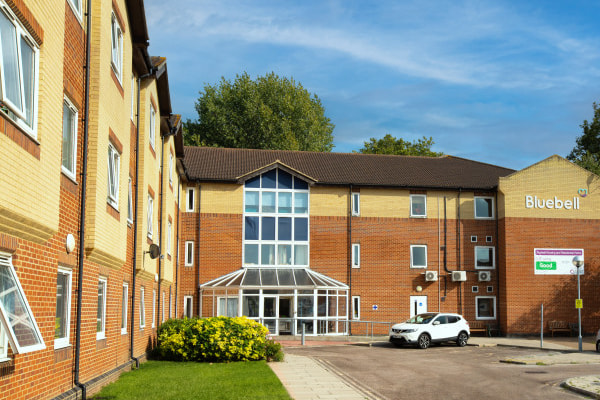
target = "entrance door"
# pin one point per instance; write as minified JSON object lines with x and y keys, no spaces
{"x":270,"y":313}
{"x":418,"y":305}
{"x":285,"y":315}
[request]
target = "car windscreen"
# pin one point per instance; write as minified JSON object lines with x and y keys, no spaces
{"x":421,"y":319}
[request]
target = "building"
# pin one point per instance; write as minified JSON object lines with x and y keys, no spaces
{"x":320,"y":239}
{"x":82,"y":288}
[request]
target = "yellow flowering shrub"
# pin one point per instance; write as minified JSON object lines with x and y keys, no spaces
{"x":213,"y":339}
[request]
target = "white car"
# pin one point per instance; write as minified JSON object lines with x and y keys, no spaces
{"x":424,"y":329}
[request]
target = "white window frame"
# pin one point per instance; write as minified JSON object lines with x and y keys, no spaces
{"x":113,"y":175}
{"x":130,"y":202}
{"x":475,"y":206}
{"x":412,"y":264}
{"x":170,"y":302}
{"x":356,"y":308}
{"x":64,"y":341}
{"x":101,"y":333}
{"x":150,"y":220}
{"x":355,"y":255}
{"x":77,"y":7}
{"x":424,"y":214}
{"x":478,"y":317}
{"x":355,"y":204}
{"x":189,"y":251}
{"x":225,"y":313}
{"x":70,"y":170}
{"x":170,"y":168}
{"x":142,"y":307}
{"x":16,"y":293}
{"x":493,"y":257}
{"x":164,"y":301}
{"x":132,"y":97}
{"x":3,"y":344}
{"x":18,"y":112}
{"x":153,"y":308}
{"x":124,"y":307}
{"x":116,"y":47}
{"x":168,"y":240}
{"x":152,"y":130}
{"x":188,"y":311}
{"x":190,"y":205}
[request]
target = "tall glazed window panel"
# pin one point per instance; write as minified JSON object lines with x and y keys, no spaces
{"x":485,"y":257}
{"x":63,"y":308}
{"x":142,"y":307}
{"x":484,"y":207}
{"x":116,"y":47}
{"x":418,"y":256}
{"x":101,"y":311}
{"x":124,"y":307}
{"x":114,"y":161}
{"x":69,"y":139}
{"x":276,"y":228}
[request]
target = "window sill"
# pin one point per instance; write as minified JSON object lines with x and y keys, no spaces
{"x":419,"y":216}
{"x":485,"y":268}
{"x":60,"y":346}
{"x":69,"y":175}
{"x":418,"y":267}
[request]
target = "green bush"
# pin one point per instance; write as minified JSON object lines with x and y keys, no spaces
{"x":219,"y":339}
{"x":273,"y":351}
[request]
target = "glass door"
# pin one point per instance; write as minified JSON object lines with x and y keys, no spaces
{"x":270,"y":314}
{"x":285,"y":315}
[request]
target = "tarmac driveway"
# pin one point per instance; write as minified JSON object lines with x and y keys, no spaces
{"x":446,"y":372}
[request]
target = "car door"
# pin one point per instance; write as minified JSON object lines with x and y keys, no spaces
{"x":439,"y":327}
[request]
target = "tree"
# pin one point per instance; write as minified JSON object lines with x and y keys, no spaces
{"x":267,"y":113}
{"x":390,"y":145}
{"x":586,"y":152}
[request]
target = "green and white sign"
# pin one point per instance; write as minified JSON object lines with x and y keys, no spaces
{"x":556,"y":261}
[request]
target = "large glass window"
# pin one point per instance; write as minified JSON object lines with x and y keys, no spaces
{"x":63,"y":308}
{"x":117,"y":46}
{"x":486,"y":307}
{"x":484,"y":207}
{"x":69,"y":139}
{"x":418,"y":256}
{"x":227,"y":307}
{"x":418,"y":205}
{"x":484,"y":257}
{"x":276,"y":220}
{"x":114,"y":161}
{"x":18,"y":71}
{"x":101,"y":312}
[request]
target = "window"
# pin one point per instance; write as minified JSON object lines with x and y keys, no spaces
{"x":418,"y":256}
{"x":132,"y":97}
{"x":101,"y":313}
{"x":3,"y":344}
{"x":15,"y":314}
{"x":485,"y":307}
{"x":188,"y":306}
{"x":484,"y":207}
{"x":171,"y":169}
{"x":130,"y":203}
{"x":69,"y":139}
{"x":355,"y":204}
{"x":484,"y":257}
{"x":418,"y":205}
{"x":475,"y":289}
{"x":228,"y":307}
{"x":276,"y":228}
{"x":63,"y":308}
{"x":152,"y":133}
{"x":114,"y":161}
{"x":168,"y":245}
{"x":355,"y":255}
{"x":153,"y":308}
{"x":190,"y":200}
{"x":189,"y":254}
{"x":473,"y":239}
{"x":142,"y":307}
{"x":117,"y":47}
{"x":76,"y":6}
{"x":164,"y":305}
{"x":18,"y":72}
{"x":170,"y":299}
{"x":150,"y":216}
{"x":489,"y":239}
{"x":490,"y":289}
{"x":356,"y":307}
{"x":124,"y":306}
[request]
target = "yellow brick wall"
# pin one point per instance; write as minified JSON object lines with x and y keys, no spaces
{"x":221,"y":198}
{"x":169,"y":201}
{"x":30,"y":187}
{"x":554,"y":177}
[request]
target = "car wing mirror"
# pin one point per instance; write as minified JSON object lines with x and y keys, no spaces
{"x":436,"y":322}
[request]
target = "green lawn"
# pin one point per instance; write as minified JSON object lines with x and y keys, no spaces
{"x":163,"y":380}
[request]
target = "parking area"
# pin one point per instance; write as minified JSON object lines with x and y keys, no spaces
{"x":446,"y":371}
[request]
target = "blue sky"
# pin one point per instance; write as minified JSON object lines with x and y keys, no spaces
{"x":502,"y":82}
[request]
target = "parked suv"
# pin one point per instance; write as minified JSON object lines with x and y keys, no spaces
{"x":424,"y":329}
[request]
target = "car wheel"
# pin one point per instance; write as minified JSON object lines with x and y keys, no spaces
{"x":462,"y":339}
{"x":598,"y":346}
{"x":424,"y":341}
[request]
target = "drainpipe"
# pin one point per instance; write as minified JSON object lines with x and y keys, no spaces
{"x":198,"y":289}
{"x":497,"y":267}
{"x":460,"y":294}
{"x":177,"y":240}
{"x":86,"y":114}
{"x":349,"y":258}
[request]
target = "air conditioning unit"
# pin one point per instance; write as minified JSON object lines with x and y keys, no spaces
{"x":431,"y":276}
{"x":484,"y":276}
{"x":459,"y":276}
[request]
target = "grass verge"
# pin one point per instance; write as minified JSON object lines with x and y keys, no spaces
{"x":164,"y":380}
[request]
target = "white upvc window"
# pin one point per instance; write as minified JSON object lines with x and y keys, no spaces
{"x":170,"y":302}
{"x":63,"y":308}
{"x":101,"y":311}
{"x":485,"y":257}
{"x":76,"y":7}
{"x":356,"y":307}
{"x":132,"y":97}
{"x":69,"y":139}
{"x":188,"y":306}
{"x":485,"y":307}
{"x":117,"y":47}
{"x":3,"y":345}
{"x":418,"y":205}
{"x":189,"y":253}
{"x":355,"y":204}
{"x":484,"y":207}
{"x":130,"y":202}
{"x":355,"y":255}
{"x":164,"y":305}
{"x":142,"y":307}
{"x":152,"y":133}
{"x":190,"y":200}
{"x":150,"y":216}
{"x":227,"y":307}
{"x":114,"y":167}
{"x":168,"y":240}
{"x":124,"y":307}
{"x":171,"y":169}
{"x":418,"y":256}
{"x":19,"y":62}
{"x":16,"y":316}
{"x":153,"y":308}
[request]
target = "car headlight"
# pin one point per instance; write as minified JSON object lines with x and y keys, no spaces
{"x":409,"y":330}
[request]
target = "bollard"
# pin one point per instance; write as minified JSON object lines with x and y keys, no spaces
{"x":303,"y":328}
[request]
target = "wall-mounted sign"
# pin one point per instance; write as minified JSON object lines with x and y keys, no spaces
{"x":555,"y":203}
{"x":556,"y":261}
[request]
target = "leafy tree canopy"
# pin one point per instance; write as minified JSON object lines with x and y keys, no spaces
{"x":267,"y":113}
{"x":390,"y":145}
{"x":586,"y":152}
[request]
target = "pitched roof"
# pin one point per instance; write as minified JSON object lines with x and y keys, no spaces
{"x":229,"y":165}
